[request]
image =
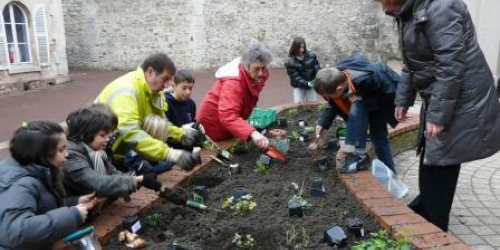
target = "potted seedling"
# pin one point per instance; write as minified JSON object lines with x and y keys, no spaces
{"x":294,"y":136}
{"x":298,"y":206}
{"x":243,"y":242}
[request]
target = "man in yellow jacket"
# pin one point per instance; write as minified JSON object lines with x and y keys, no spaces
{"x":137,"y":94}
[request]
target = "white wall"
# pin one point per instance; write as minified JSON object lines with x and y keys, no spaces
{"x":486,"y":17}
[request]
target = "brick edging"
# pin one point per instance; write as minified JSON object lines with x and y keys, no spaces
{"x":390,"y":213}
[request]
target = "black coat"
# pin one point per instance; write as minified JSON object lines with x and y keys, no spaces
{"x":443,"y":62}
{"x":302,"y":71}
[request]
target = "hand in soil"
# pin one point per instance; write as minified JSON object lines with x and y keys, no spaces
{"x":178,"y":196}
{"x":316,"y":144}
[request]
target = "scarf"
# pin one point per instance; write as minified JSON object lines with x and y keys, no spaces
{"x":98,"y":159}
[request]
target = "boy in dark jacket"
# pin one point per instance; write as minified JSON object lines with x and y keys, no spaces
{"x":362,"y":93}
{"x":181,"y":108}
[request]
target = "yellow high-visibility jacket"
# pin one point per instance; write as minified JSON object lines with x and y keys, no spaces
{"x":132,"y":99}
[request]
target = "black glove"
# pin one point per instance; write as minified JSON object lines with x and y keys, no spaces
{"x":188,"y":160}
{"x":149,"y":181}
{"x":142,"y":167}
{"x":192,"y":138}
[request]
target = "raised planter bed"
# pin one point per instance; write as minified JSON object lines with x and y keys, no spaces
{"x":390,"y":213}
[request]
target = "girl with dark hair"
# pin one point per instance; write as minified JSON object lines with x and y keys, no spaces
{"x":88,"y":170}
{"x":34,"y":211}
{"x":301,"y":66}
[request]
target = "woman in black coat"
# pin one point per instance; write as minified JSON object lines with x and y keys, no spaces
{"x":460,"y":119}
{"x":302,"y":66}
{"x":34,"y":211}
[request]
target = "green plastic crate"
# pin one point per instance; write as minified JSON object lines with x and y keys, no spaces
{"x":262,"y":118}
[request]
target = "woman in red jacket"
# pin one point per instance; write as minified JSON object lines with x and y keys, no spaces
{"x":225,"y":108}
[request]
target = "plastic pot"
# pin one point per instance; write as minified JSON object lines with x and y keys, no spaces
{"x":355,"y":226}
{"x":323,"y":163}
{"x":333,"y":144}
{"x":335,"y":236}
{"x":265,"y":159}
{"x":175,"y":247}
{"x":295,"y":209}
{"x":317,"y":188}
{"x":282,"y":123}
{"x":132,"y":224}
{"x":201,"y":191}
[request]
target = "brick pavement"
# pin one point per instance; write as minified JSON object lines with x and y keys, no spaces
{"x":475,"y":215}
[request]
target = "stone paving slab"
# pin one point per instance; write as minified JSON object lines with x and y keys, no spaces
{"x":475,"y":215}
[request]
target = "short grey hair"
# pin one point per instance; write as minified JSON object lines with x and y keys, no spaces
{"x":328,"y":80}
{"x":255,"y":53}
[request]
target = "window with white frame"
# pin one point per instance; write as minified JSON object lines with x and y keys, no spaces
{"x":16,"y":32}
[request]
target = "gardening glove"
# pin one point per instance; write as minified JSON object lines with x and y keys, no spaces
{"x":185,"y":159}
{"x":149,"y":181}
{"x":195,"y":125}
{"x":142,"y":167}
{"x":192,"y":137}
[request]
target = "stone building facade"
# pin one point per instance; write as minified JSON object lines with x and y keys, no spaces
{"x":32,"y":44}
{"x":204,"y":34}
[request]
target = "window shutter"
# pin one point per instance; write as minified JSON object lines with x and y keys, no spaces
{"x":4,"y":58}
{"x":41,"y":35}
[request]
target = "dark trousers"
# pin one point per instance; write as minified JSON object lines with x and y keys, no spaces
{"x":437,"y":186}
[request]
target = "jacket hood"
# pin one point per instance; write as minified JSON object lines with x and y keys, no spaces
{"x":11,"y":171}
{"x":356,"y":62}
{"x":230,"y":70}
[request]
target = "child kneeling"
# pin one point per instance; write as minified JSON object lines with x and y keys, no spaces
{"x":362,"y":93}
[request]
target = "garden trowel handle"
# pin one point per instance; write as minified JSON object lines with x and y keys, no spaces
{"x":78,"y":234}
{"x":219,"y":160}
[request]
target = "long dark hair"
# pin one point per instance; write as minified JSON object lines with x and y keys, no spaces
{"x":294,"y":49}
{"x":36,"y":143}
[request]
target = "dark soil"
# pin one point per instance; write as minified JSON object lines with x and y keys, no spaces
{"x":269,"y":221}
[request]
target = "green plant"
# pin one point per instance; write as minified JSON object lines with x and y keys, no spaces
{"x":261,"y":169}
{"x":244,"y":205}
{"x":154,"y":219}
{"x":294,"y":135}
{"x":381,"y":241}
{"x":309,"y":130}
{"x":293,"y":112}
{"x":243,"y":241}
{"x":305,"y":204}
{"x":294,"y":239}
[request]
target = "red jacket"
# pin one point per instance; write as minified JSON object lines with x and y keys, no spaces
{"x":225,"y":108}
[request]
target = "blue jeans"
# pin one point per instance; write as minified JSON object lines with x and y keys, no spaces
{"x":358,"y":122}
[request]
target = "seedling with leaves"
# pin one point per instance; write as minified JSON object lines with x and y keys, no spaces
{"x":294,"y":135}
{"x":297,"y":237}
{"x":242,"y":206}
{"x":243,"y":241}
{"x":380,"y":241}
{"x":262,"y":169}
{"x":309,"y":130}
{"x":293,"y":112}
{"x":154,"y":219}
